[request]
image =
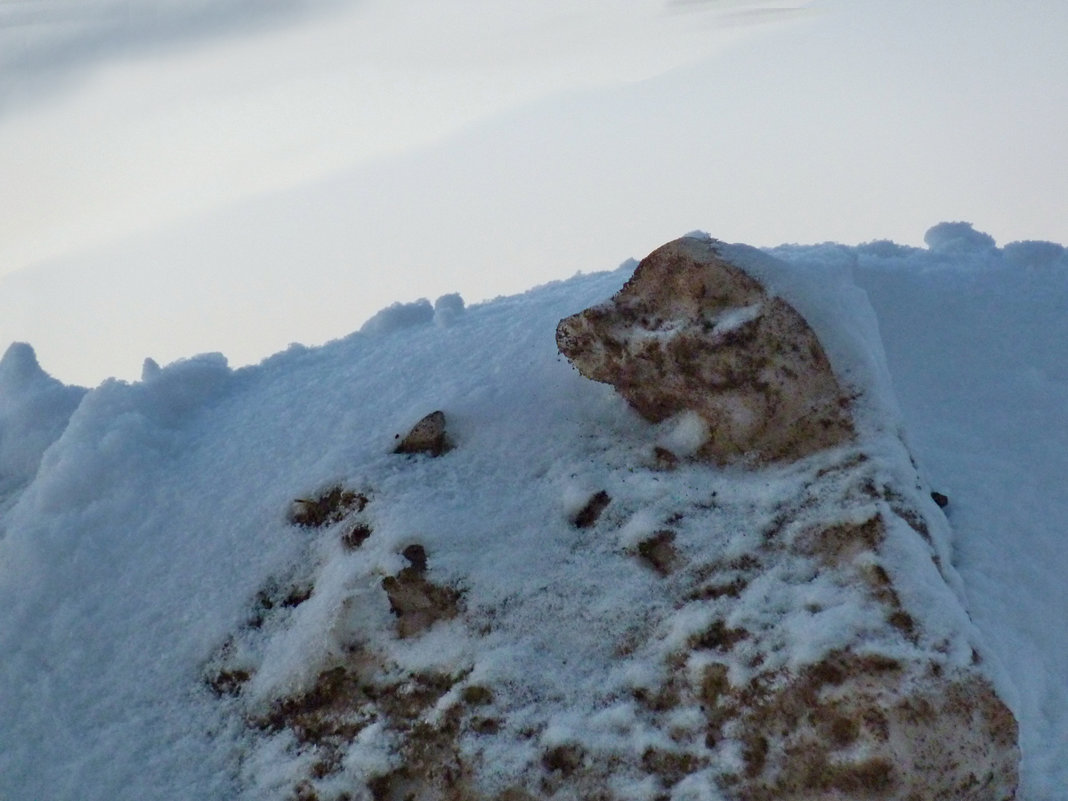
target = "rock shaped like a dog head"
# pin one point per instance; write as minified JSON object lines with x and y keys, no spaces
{"x":691,"y":332}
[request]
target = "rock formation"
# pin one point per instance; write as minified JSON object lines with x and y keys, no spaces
{"x":691,"y":332}
{"x":785,"y":630}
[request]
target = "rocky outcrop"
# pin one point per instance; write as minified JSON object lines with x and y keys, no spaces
{"x":692,"y":332}
{"x":784,"y":630}
{"x":885,"y":717}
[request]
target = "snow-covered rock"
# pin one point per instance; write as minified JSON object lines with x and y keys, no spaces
{"x":226,"y":584}
{"x":780,"y":630}
{"x":426,"y":436}
{"x":888,"y":713}
{"x":690,"y":332}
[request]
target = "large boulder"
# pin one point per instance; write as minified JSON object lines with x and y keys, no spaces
{"x":692,"y":332}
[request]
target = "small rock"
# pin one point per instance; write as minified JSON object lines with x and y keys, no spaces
{"x":659,"y":552}
{"x":487,"y":726}
{"x":418,"y":603}
{"x":591,"y":512}
{"x":665,"y":459}
{"x":477,"y":695}
{"x":228,"y":682}
{"x":331,"y":506}
{"x":356,"y":536}
{"x":416,"y":556}
{"x":426,"y":436}
{"x":565,"y":759}
{"x":940,"y":499}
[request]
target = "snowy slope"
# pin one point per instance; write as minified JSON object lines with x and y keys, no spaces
{"x":34,"y":410}
{"x":161,"y":511}
{"x":135,"y":551}
{"x":975,"y":341}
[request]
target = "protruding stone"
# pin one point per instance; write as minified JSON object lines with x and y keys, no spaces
{"x":658,"y":551}
{"x":691,"y":332}
{"x":331,"y":506}
{"x":426,"y":436}
{"x":589,"y":514}
{"x":871,"y":727}
{"x":664,"y":459}
{"x":416,"y":556}
{"x":418,"y":603}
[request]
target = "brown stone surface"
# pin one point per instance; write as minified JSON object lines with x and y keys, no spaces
{"x":417,"y":602}
{"x":870,"y":727}
{"x":426,"y":436}
{"x":689,"y":331}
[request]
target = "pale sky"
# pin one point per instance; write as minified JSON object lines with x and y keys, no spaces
{"x":220,"y":177}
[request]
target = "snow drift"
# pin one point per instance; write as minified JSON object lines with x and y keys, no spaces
{"x":227,"y":584}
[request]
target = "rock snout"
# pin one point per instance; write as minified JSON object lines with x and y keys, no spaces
{"x":691,"y":332}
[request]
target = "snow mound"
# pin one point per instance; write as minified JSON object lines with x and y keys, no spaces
{"x":398,"y":316}
{"x":447,"y":309}
{"x":34,"y":410}
{"x":175,"y":627}
{"x":951,"y":238}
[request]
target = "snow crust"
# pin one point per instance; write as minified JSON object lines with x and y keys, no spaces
{"x":140,"y":520}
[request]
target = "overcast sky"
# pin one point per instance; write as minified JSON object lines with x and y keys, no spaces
{"x":180,"y":177}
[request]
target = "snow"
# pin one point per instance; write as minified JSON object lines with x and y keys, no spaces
{"x":34,"y":409}
{"x":447,"y":309}
{"x":687,"y":432}
{"x":974,"y":338}
{"x":734,"y":319}
{"x":957,"y":237}
{"x":399,"y":315}
{"x":139,"y":521}
{"x":978,"y":356}
{"x":444,"y":313}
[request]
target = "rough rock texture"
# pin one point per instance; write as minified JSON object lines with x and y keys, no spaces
{"x":426,"y":436}
{"x":691,"y":332}
{"x":873,"y":727}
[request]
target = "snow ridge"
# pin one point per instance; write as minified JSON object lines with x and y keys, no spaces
{"x":142,"y":525}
